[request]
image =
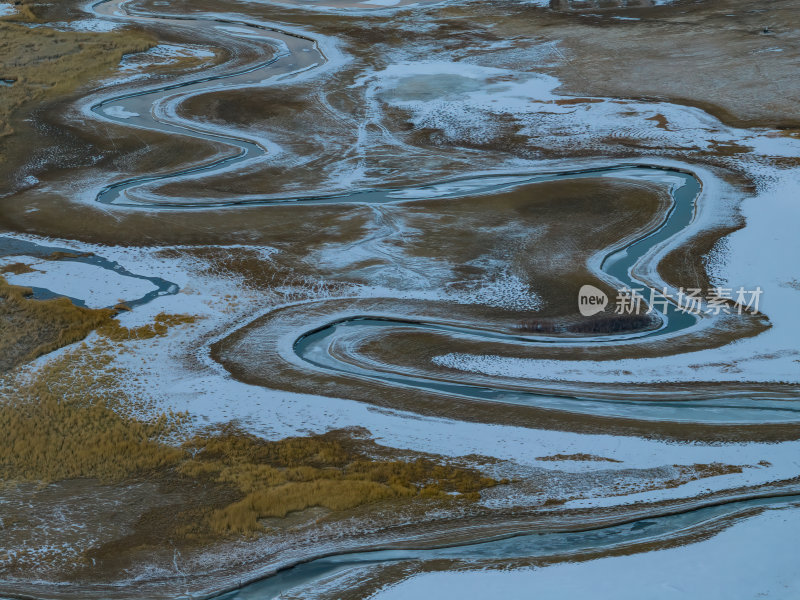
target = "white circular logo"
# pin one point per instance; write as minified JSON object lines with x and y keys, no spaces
{"x":591,"y":300}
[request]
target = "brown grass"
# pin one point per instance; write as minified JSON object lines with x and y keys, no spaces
{"x":697,"y":471}
{"x":17,"y":268}
{"x":115,"y":332}
{"x":726,"y":149}
{"x":45,"y":64}
{"x":328,"y":471}
{"x":63,"y":423}
{"x":571,"y":101}
{"x":578,"y":457}
{"x":31,"y":327}
{"x":660,"y":120}
{"x":24,"y":11}
{"x":71,"y":418}
{"x":60,"y":254}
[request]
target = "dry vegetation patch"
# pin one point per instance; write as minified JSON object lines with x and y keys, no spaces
{"x":72,"y":419}
{"x":17,"y":268}
{"x":334,"y":471}
{"x":687,"y":473}
{"x":115,"y":332}
{"x":46,"y":63}
{"x":578,"y":457}
{"x":30,"y":328}
{"x":52,"y":435}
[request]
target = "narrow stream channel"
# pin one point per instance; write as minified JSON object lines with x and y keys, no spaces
{"x":527,"y":545}
{"x":298,"y":53}
{"x":316,"y":346}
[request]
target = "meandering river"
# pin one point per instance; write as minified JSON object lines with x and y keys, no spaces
{"x":293,"y":53}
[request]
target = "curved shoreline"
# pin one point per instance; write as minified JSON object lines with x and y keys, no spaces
{"x":11,"y":246}
{"x":507,"y":547}
{"x":132,"y":102}
{"x":315,"y":347}
{"x":709,"y":513}
{"x":112,"y":192}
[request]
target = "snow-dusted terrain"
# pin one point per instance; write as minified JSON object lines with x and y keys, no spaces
{"x":754,"y":558}
{"x":351,"y":242}
{"x":95,"y":286}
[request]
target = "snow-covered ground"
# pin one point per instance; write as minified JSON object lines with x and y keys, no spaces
{"x":754,"y":558}
{"x":96,"y":286}
{"x":91,"y":25}
{"x":7,"y":9}
{"x":211,"y":395}
{"x":761,"y":255}
{"x":164,"y":54}
{"x":467,"y":101}
{"x":460,"y":97}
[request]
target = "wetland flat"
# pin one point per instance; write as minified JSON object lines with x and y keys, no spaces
{"x":390,"y":299}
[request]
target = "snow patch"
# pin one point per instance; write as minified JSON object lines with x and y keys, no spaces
{"x":96,"y":286}
{"x":164,"y":54}
{"x":119,"y":112}
{"x":754,"y":558}
{"x":93,"y":25}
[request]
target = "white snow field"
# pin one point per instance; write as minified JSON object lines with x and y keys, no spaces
{"x":755,"y":558}
{"x":96,"y":286}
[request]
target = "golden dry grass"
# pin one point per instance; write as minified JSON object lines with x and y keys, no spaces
{"x":327,"y":471}
{"x":697,"y":471}
{"x":63,"y":422}
{"x":71,"y":418}
{"x":115,"y":332}
{"x":45,"y":64}
{"x":17,"y":268}
{"x":578,"y":457}
{"x":30,"y":328}
{"x":23,"y":11}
